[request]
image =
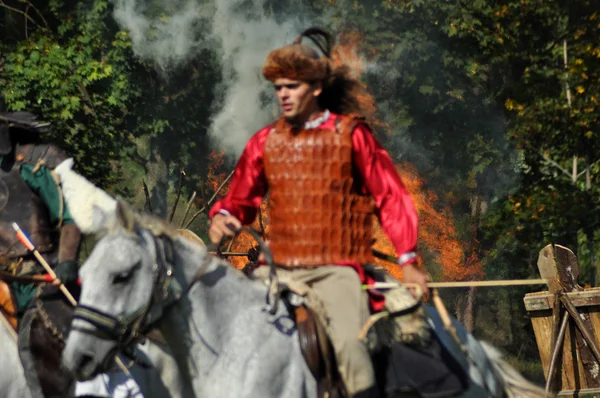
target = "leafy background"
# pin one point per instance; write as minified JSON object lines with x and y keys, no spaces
{"x":488,"y":108}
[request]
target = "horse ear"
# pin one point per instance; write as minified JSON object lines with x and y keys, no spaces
{"x":125,"y":215}
{"x":92,"y":209}
{"x":101,"y":221}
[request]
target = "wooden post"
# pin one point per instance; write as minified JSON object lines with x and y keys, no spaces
{"x":568,"y":272}
{"x":566,"y":346}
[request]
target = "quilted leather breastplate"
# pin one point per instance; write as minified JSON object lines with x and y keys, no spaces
{"x":316,"y":217}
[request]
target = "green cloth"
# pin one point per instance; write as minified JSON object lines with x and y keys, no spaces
{"x":43,"y":184}
{"x":23,"y":294}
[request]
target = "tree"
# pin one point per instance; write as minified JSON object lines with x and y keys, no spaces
{"x":549,"y":54}
{"x":115,"y":113}
{"x":66,"y":71}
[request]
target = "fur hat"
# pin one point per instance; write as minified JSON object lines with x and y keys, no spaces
{"x":300,"y":62}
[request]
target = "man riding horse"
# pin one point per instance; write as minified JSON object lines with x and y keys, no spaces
{"x":31,"y":197}
{"x":327,"y":176}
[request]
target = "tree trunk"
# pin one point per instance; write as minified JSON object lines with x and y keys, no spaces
{"x":591,"y":248}
{"x":156,"y":174}
{"x":467,"y":307}
{"x":458,"y":310}
{"x":158,"y":184}
{"x":590,"y":231}
{"x":469,"y":313}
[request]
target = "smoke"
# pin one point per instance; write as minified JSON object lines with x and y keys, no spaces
{"x":240,"y":32}
{"x":168,"y":35}
{"x":246,"y":34}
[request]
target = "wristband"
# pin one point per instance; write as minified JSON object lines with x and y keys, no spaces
{"x":224,"y":212}
{"x":404,"y":259}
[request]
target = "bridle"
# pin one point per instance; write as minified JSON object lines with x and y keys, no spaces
{"x":130,"y":328}
{"x":166,"y":292}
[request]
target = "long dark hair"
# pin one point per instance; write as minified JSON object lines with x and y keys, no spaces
{"x":342,"y":92}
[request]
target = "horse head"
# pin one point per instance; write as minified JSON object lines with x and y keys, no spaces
{"x":126,"y":280}
{"x":119,"y":295}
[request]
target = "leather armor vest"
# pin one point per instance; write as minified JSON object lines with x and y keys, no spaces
{"x":316,"y":215}
{"x":19,"y":204}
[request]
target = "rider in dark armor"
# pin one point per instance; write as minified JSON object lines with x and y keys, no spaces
{"x":31,"y":197}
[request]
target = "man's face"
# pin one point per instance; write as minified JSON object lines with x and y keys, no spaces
{"x":297,"y":98}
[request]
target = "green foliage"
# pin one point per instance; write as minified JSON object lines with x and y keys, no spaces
{"x":532,"y":41}
{"x":77,"y":79}
{"x":80,"y":74}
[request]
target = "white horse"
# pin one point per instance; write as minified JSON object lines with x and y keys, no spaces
{"x":12,"y":375}
{"x":213,"y":317}
{"x":158,"y":377}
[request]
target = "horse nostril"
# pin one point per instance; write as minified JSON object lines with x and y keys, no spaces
{"x":84,"y":361}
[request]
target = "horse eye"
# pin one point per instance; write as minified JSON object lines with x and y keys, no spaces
{"x":122,"y":277}
{"x":125,"y":276}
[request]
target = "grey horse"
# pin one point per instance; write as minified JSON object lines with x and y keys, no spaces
{"x":12,"y":375}
{"x":227,"y":343}
{"x":156,"y":373}
{"x":213,"y":317}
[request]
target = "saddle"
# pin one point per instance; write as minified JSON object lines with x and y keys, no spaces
{"x":318,"y":353}
{"x":407,"y":358}
{"x":7,"y":305}
{"x":42,"y":334}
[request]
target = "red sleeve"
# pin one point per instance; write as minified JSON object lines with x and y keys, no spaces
{"x":395,"y":208}
{"x":248,"y":184}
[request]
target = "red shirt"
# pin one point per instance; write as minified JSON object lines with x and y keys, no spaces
{"x":376,"y":175}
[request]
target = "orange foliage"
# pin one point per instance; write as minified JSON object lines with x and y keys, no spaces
{"x":437,"y":230}
{"x":347,"y":52}
{"x":215,"y":175}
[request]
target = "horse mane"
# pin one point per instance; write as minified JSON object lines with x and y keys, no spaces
{"x":130,"y":220}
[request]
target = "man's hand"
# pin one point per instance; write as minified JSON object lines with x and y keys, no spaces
{"x":66,"y":272}
{"x":219,"y":227}
{"x":412,"y":274}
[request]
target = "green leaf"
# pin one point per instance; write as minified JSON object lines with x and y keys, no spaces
{"x":427,"y":90}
